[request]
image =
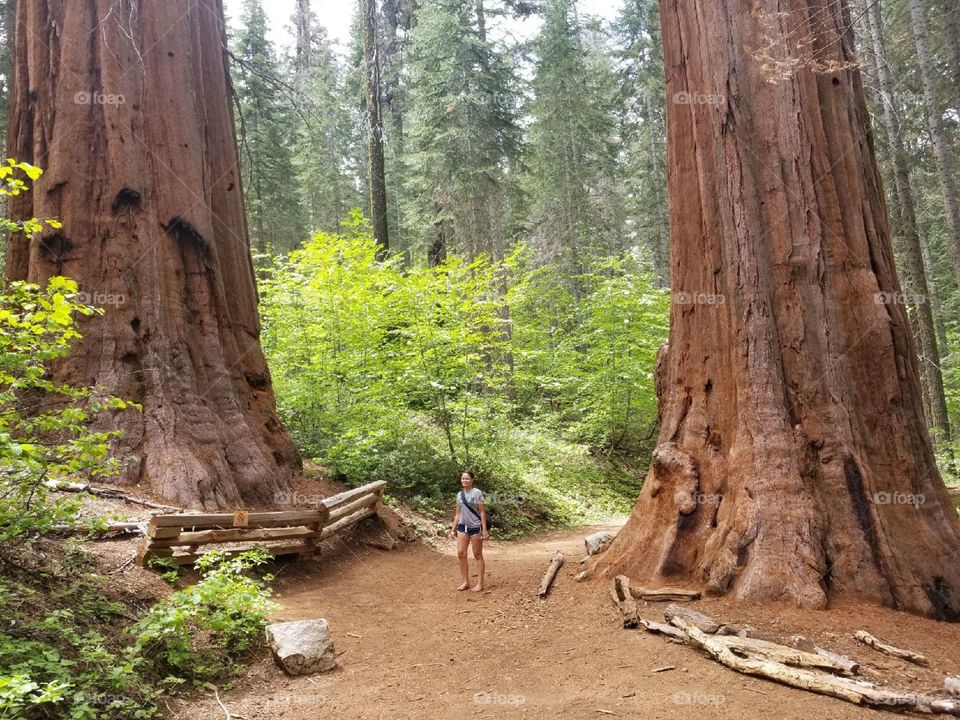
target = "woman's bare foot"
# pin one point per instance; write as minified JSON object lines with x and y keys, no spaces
{"x":478,"y":587}
{"x":464,"y":586}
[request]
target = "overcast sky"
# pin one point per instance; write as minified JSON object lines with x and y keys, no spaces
{"x":335,"y":15}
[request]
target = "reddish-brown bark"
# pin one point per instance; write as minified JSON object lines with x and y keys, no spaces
{"x":792,"y":433}
{"x":126,"y":106}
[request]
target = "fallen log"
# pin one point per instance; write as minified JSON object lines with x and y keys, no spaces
{"x":801,"y":643}
{"x":664,"y":594}
{"x":858,"y":692}
{"x":952,"y":685}
{"x":620,"y":592}
{"x":551,"y":573}
{"x":119,"y":528}
{"x":879,"y":645}
{"x":657,"y":628}
{"x":788,"y":655}
{"x":107,"y":493}
{"x":703,"y":622}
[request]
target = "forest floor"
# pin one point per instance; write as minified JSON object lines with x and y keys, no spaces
{"x":413,"y":647}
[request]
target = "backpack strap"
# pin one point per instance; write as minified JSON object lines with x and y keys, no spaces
{"x":471,"y":508}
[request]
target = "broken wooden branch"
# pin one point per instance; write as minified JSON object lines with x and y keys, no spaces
{"x":664,"y":594}
{"x":674,"y":634}
{"x":106,"y":493}
{"x":620,"y":592}
{"x":551,"y":573}
{"x":118,"y":528}
{"x":703,"y":622}
{"x":851,"y":667}
{"x":858,"y":692}
{"x":787,"y":655}
{"x":879,"y":645}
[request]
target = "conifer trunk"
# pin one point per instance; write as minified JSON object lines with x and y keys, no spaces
{"x":129,"y":114}
{"x":793,"y":463}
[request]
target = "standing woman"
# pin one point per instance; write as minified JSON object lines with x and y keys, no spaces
{"x":470,"y":527}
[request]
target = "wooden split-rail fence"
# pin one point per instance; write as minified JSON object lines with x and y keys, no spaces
{"x":180,"y":537}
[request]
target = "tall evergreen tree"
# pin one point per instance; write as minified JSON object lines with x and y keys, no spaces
{"x":266,"y":129}
{"x":639,"y":66}
{"x":906,"y":237}
{"x":377,"y":172}
{"x":462,"y":130}
{"x":572,"y":152}
{"x":326,"y":149}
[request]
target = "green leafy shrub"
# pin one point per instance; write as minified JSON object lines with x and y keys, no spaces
{"x":197,"y":633}
{"x":45,"y":426}
{"x":410,"y":374}
{"x":62,"y":657}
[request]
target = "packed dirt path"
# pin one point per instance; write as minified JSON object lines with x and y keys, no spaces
{"x":413,"y":647}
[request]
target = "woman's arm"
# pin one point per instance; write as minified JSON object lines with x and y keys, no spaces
{"x":456,"y":521}
{"x":483,"y":518}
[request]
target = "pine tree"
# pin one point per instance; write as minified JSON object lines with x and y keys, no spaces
{"x":462,"y":131}
{"x":571,"y":144}
{"x":639,"y":66}
{"x":266,"y":130}
{"x":377,"y":171}
{"x":327,"y":138}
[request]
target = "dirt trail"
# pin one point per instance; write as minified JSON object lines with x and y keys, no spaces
{"x":413,"y":647}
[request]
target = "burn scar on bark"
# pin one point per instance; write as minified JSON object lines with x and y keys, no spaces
{"x":56,"y":248}
{"x":861,"y":506}
{"x":944,"y":601}
{"x":186,"y":233}
{"x":127,"y":198}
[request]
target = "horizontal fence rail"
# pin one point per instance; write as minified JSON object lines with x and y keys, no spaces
{"x":178,"y":537}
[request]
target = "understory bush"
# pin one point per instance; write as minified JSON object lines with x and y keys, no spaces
{"x":69,"y":650}
{"x":542,"y":383}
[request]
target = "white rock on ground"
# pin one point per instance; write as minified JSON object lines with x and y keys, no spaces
{"x":302,"y":647}
{"x":598,"y":542}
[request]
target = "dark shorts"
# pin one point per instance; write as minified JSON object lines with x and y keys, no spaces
{"x":461,"y":528}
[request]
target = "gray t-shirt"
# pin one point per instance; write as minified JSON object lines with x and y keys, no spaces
{"x":474,"y":497}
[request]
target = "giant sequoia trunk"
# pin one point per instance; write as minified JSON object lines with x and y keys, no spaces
{"x":126,"y":105}
{"x":792,"y":461}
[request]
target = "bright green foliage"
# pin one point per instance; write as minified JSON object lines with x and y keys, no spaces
{"x":45,"y":431}
{"x":197,"y":633}
{"x":11,"y":185}
{"x":411,"y":374}
{"x":60,"y":657}
{"x":591,"y":362}
{"x":65,"y":650}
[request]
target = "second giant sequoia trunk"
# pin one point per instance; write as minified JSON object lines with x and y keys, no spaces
{"x":128,"y":110}
{"x":792,"y":461}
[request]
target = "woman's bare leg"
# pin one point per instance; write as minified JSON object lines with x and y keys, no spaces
{"x":477,"y":543}
{"x":462,"y":540}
